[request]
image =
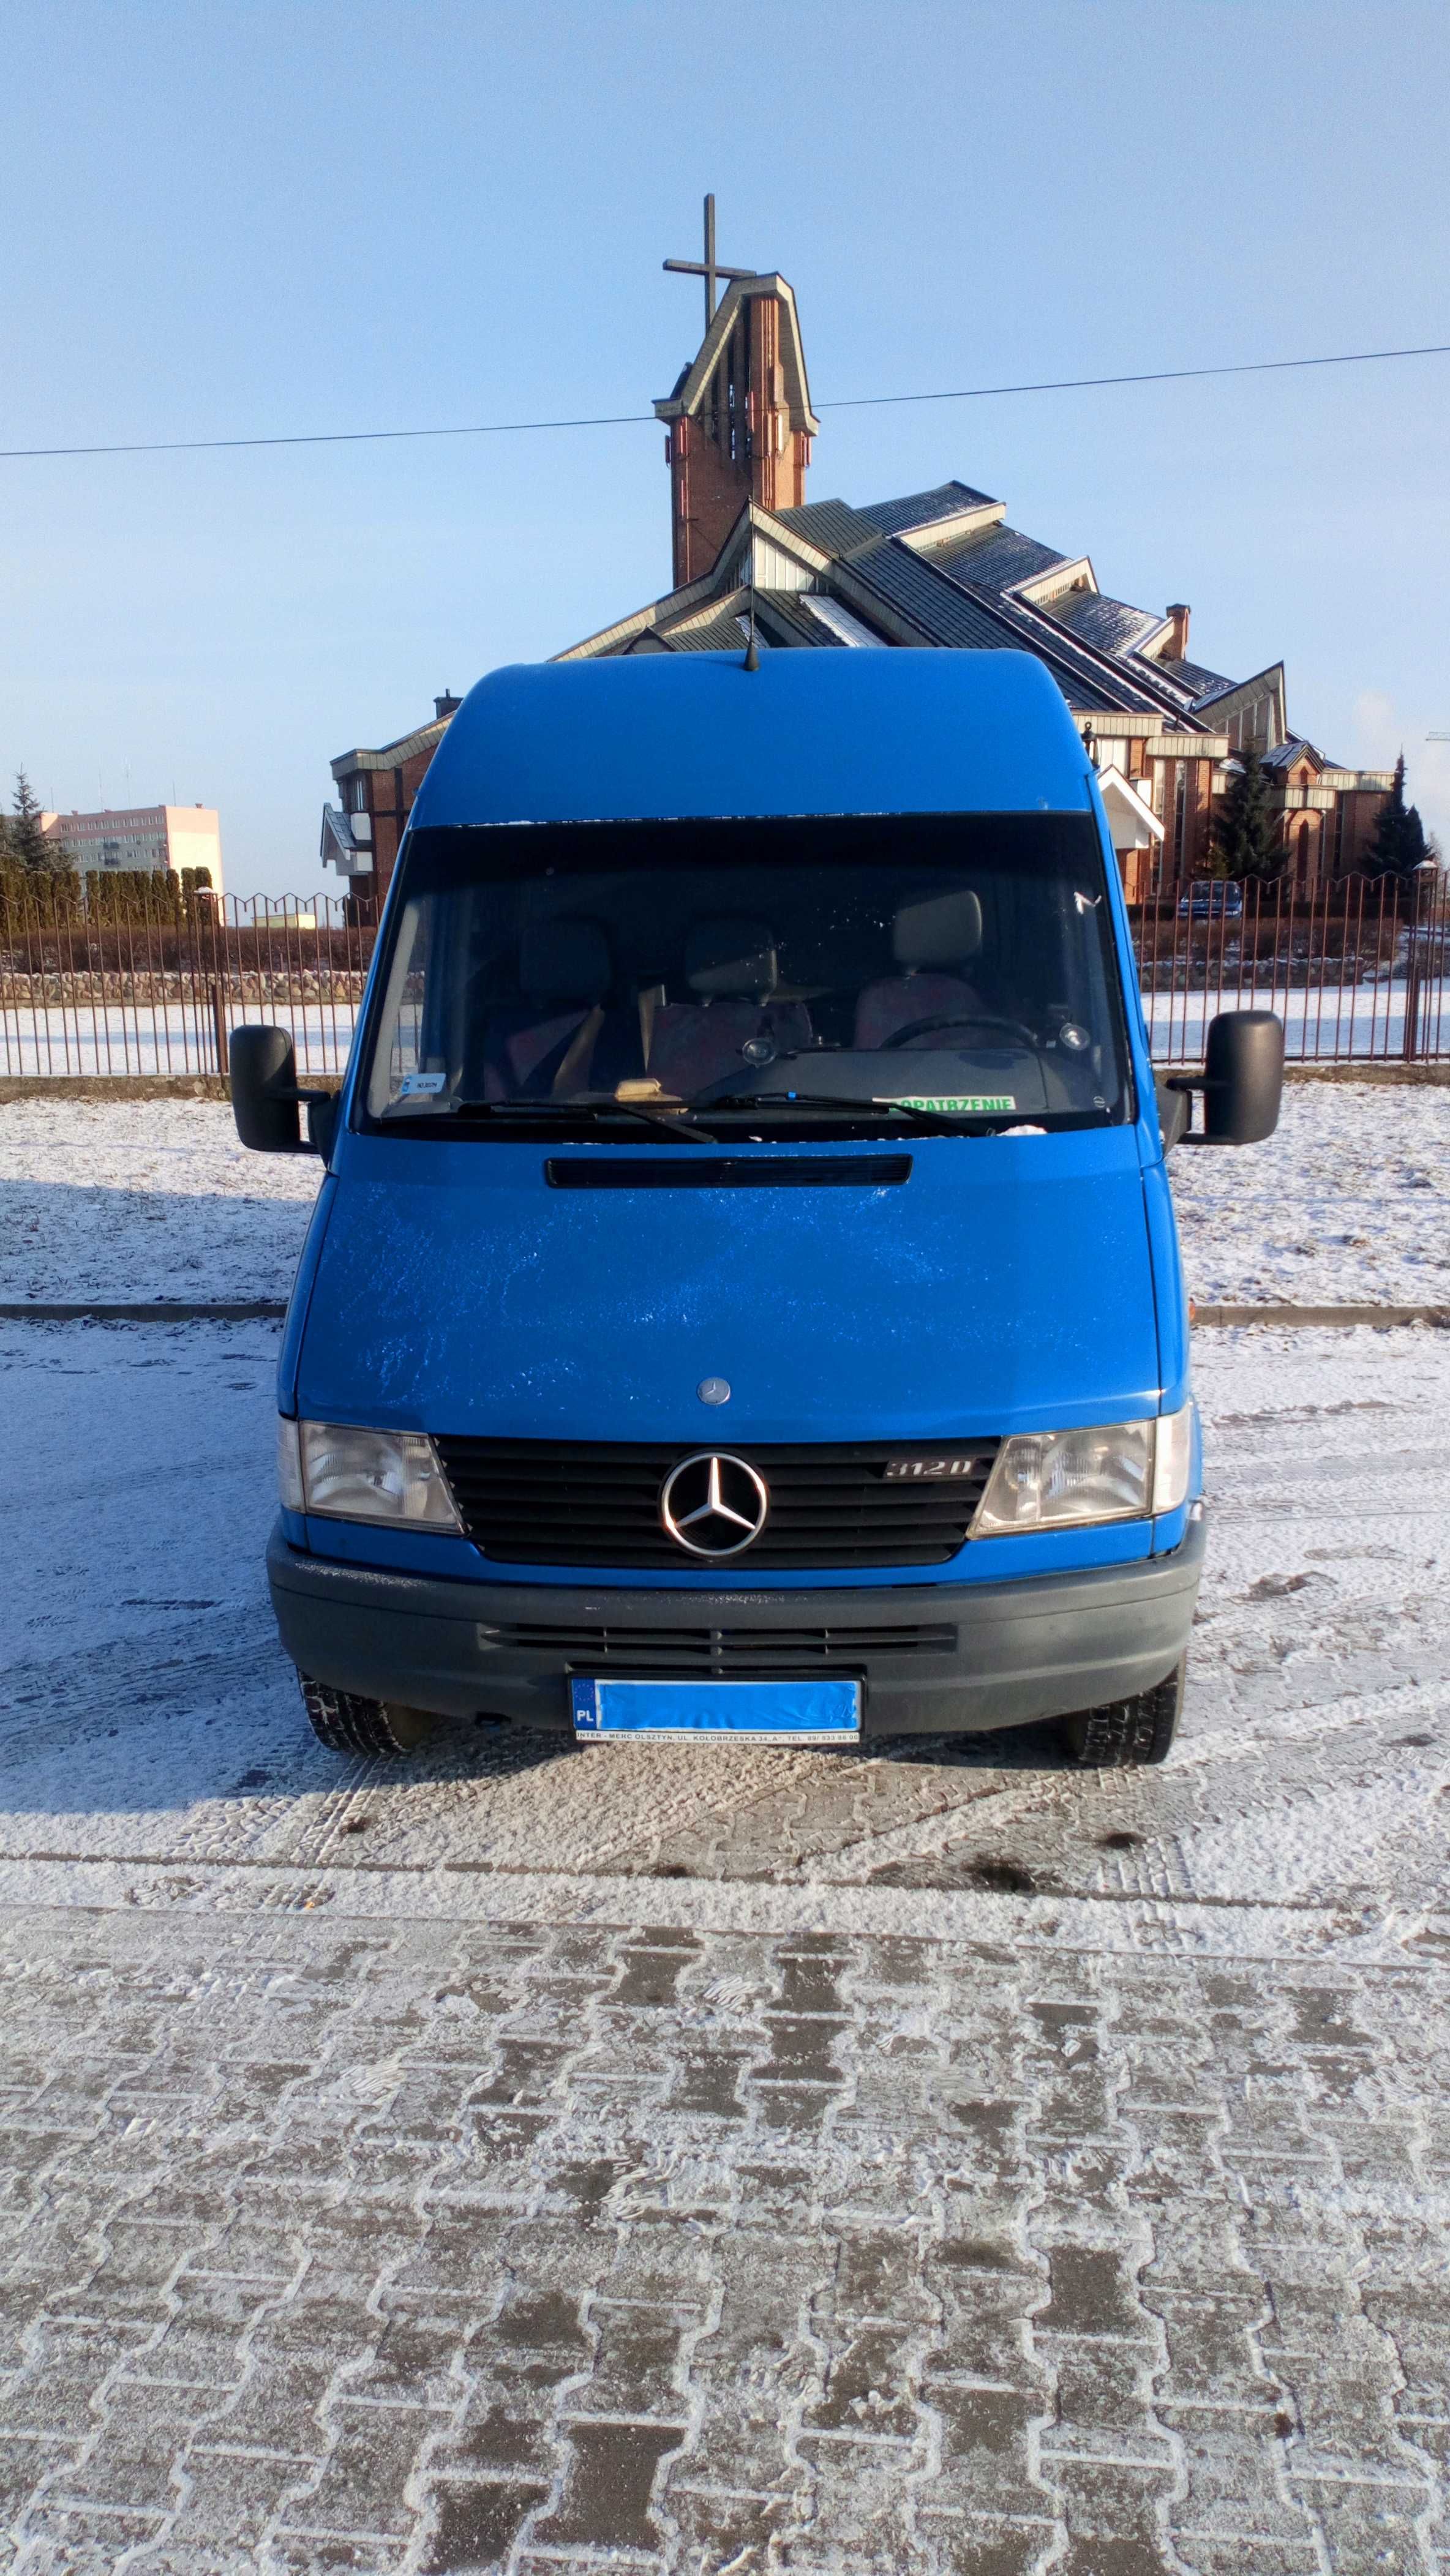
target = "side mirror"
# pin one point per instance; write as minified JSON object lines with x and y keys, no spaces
{"x":1242,"y":1080}
{"x":264,"y":1090}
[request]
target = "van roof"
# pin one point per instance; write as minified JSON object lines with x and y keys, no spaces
{"x":660,"y":735}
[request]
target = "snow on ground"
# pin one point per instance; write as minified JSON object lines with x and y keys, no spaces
{"x":134,"y":1199}
{"x":1348,"y":1204}
{"x":154,"y":1718}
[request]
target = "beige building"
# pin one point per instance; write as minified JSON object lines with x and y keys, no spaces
{"x":150,"y":837}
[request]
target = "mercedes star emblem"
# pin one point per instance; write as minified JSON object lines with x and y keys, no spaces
{"x":713,"y":1504}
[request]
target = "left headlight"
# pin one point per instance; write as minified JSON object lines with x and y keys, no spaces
{"x":351,"y":1475}
{"x":1118,"y":1471}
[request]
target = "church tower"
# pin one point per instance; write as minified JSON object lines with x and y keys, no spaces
{"x":740,"y":418}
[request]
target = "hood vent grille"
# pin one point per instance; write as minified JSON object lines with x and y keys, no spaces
{"x":693,"y":1171}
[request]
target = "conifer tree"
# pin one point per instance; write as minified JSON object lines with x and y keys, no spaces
{"x":30,"y":847}
{"x":1244,"y":840}
{"x":31,"y":863}
{"x":1399,"y":846}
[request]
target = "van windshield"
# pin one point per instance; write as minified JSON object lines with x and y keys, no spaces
{"x":845,"y":971}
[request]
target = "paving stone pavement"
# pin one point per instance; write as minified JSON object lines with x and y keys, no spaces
{"x":462,"y":2247}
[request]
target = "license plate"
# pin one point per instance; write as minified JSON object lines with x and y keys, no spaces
{"x":819,"y":1712}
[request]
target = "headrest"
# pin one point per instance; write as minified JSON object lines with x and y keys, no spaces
{"x":941,"y":932}
{"x":564,"y":961}
{"x":731,"y":958}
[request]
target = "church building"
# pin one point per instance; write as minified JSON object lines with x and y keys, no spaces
{"x":750,"y":553}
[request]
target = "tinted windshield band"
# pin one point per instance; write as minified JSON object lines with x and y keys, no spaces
{"x":448,"y":855}
{"x":946,"y":968}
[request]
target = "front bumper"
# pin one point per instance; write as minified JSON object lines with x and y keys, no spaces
{"x":994,"y":1654}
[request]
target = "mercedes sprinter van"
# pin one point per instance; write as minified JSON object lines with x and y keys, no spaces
{"x":743,"y":1297}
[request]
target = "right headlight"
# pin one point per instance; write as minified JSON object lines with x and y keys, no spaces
{"x":352,"y":1475}
{"x":1116,"y":1471}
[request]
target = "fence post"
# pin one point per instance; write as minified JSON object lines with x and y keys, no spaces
{"x":218,"y":1001}
{"x":1412,"y":980}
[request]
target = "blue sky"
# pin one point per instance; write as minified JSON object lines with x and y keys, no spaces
{"x":262,"y":219}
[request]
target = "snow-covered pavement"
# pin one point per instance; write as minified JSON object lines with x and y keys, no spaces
{"x":1349,"y":1204}
{"x":154,"y":1723}
{"x":927,"y":2163}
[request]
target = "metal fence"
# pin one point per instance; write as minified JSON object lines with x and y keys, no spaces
{"x":1357,"y":970}
{"x":160,"y":991}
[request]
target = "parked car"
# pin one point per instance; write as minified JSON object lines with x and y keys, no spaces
{"x":1212,"y":899}
{"x":743,"y":1301}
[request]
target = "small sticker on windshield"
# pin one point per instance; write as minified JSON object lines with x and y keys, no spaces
{"x":413,"y":1084}
{"x":962,"y":1104}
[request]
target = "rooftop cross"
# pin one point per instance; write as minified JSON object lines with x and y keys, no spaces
{"x":709,"y":268}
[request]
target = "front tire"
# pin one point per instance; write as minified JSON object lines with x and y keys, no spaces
{"x":1128,"y":1731}
{"x":345,"y":1722}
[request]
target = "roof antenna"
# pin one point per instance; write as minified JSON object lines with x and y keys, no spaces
{"x":752,"y":658}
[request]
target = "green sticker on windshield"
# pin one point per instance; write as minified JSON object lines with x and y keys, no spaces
{"x":963,"y":1104}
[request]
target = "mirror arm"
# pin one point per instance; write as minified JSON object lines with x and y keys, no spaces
{"x":304,"y":1099}
{"x":1189,"y":1083}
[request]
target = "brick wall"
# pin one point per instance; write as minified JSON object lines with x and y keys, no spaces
{"x":737,"y":445}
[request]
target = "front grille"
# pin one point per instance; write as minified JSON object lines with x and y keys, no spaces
{"x":562,"y":1502}
{"x":679,"y":1653}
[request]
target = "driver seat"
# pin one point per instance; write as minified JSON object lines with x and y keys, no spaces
{"x":928,"y":940}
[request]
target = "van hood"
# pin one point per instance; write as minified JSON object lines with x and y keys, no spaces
{"x":1005,"y":1285}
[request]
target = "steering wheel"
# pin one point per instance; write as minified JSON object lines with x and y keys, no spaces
{"x":957,"y":1020}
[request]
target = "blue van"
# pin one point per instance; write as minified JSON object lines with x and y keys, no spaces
{"x":743,"y":1297}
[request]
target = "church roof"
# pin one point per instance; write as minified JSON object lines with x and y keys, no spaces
{"x":782,"y":618}
{"x":1201,"y":684}
{"x":924,"y":509}
{"x":833,"y":526}
{"x":944,"y":610}
{"x":969,"y":590}
{"x":1108,"y":624}
{"x":786,"y":617}
{"x":995,"y":558}
{"x":718,"y":632}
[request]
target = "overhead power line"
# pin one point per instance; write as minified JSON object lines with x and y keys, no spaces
{"x":636,"y":419}
{"x":1159,"y":376}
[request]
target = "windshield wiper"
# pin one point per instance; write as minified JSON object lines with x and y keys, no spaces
{"x":843,"y":1101}
{"x":680,"y":1125}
